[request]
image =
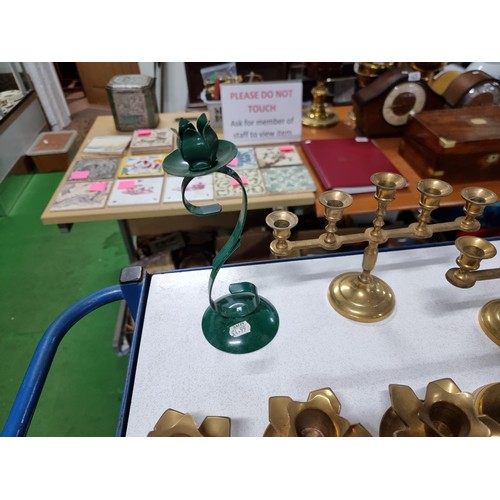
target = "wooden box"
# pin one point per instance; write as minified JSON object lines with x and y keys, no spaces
{"x":53,"y":151}
{"x":456,"y":145}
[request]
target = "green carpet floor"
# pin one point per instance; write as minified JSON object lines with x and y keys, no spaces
{"x":43,"y":272}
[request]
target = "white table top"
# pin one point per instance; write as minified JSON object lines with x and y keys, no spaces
{"x":432,"y":334}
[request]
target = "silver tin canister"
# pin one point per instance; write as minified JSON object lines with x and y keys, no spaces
{"x":133,"y":102}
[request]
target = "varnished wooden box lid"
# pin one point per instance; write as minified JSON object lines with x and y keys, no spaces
{"x":467,"y":130}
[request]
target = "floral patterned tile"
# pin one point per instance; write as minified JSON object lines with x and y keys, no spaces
{"x":200,"y":188}
{"x":244,"y":159}
{"x":288,"y":179}
{"x":226,"y":187}
{"x":277,"y":156}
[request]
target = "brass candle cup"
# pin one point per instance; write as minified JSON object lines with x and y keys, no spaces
{"x":476,"y":199}
{"x":472,"y":251}
{"x":281,"y":222}
{"x":386,"y":184}
{"x":431,"y":192}
{"x":335,"y":201}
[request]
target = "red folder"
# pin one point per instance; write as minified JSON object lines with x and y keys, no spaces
{"x":347,"y":164}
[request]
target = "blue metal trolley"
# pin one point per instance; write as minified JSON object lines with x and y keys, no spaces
{"x":132,"y":289}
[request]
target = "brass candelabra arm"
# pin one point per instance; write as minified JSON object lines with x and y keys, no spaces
{"x":472,"y":251}
{"x":283,"y":247}
{"x":467,"y":279}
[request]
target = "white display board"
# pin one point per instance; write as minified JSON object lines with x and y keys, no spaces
{"x":262,"y":113}
{"x":433,"y":333}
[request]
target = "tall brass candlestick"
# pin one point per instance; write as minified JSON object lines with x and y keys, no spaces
{"x":362,"y":296}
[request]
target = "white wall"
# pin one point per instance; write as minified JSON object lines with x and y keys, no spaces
{"x":20,"y":136}
{"x":171,"y":84}
{"x":175,"y":89}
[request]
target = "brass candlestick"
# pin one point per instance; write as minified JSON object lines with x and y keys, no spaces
{"x":318,"y":115}
{"x":472,"y":251}
{"x":363,"y":296}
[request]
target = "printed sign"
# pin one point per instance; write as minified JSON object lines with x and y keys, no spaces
{"x":262,"y":113}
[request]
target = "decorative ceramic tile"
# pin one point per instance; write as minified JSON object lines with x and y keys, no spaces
{"x":106,"y":145}
{"x":288,"y":179}
{"x":137,"y":191}
{"x":94,"y":170}
{"x":225,"y":186}
{"x":149,"y":141}
{"x":141,"y":166}
{"x":82,"y":196}
{"x":200,"y":188}
{"x":277,"y":156}
{"x":244,"y":159}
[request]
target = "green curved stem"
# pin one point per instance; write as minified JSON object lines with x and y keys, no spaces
{"x":246,"y":298}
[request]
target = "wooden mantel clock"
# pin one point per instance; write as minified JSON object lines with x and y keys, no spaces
{"x":472,"y":88}
{"x":383,"y":107}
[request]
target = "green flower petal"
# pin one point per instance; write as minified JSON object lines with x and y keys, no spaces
{"x":212,"y":142}
{"x":201,"y":122}
{"x":194,"y":150}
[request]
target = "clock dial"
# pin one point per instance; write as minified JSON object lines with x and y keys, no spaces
{"x":383,"y":107}
{"x":472,"y":88}
{"x":403,"y":100}
{"x":485,"y":93}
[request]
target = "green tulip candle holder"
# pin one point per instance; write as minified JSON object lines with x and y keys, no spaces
{"x":242,"y":321}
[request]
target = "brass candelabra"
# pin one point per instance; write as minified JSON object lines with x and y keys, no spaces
{"x":363,"y":296}
{"x":472,"y":251}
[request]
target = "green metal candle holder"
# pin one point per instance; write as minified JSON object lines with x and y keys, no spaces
{"x":242,"y":321}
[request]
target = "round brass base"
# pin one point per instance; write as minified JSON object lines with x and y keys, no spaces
{"x":489,"y":319}
{"x":366,"y":302}
{"x":310,"y":118}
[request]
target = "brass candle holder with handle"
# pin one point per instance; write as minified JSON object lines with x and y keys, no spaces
{"x":472,"y":251}
{"x":363,"y":296}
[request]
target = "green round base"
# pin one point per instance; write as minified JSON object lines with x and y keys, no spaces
{"x":244,"y":334}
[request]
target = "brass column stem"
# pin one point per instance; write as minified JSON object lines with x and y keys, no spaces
{"x":423,"y":219}
{"x":331,"y":228}
{"x":370,"y":255}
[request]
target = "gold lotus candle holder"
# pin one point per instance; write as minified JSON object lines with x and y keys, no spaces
{"x":363,"y":296}
{"x":487,"y":405}
{"x":446,"y":411}
{"x":472,"y":251}
{"x":319,"y":416}
{"x":173,"y":423}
